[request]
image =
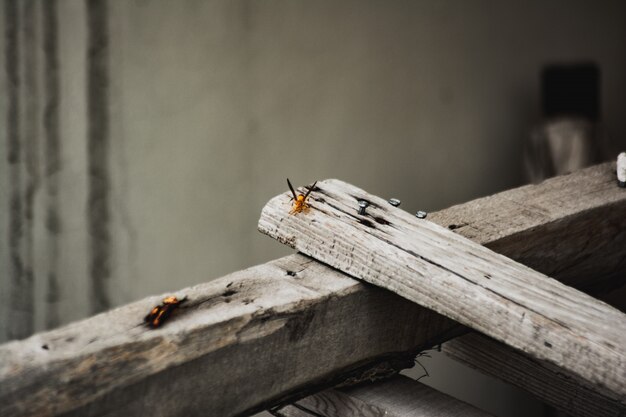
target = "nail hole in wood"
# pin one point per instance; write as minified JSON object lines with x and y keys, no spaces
{"x":229,"y":293}
{"x":380,"y":220}
{"x":366,"y":222}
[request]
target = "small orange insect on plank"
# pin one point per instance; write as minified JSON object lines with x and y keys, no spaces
{"x":163,"y":311}
{"x":299,"y":200}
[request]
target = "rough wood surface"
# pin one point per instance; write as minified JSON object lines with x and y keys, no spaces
{"x":547,"y":382}
{"x":110,"y":364}
{"x":398,"y":396}
{"x":241,"y":343}
{"x":436,"y":268}
{"x":571,"y":227}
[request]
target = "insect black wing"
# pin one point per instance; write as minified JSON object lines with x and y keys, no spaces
{"x":166,"y":312}
{"x":152,"y":314}
{"x":291,"y":188}
{"x":310,"y":189}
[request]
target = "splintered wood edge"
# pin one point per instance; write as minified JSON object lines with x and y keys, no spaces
{"x":460,"y":279}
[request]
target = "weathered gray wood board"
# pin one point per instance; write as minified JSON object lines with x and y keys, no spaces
{"x":571,"y":227}
{"x":547,"y":382}
{"x":436,"y":268}
{"x":398,"y":396}
{"x":497,"y":221}
{"x":242,"y":342}
{"x":111,"y":365}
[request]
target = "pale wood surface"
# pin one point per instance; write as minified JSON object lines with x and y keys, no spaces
{"x":547,"y":382}
{"x":436,"y":268}
{"x":497,"y":222}
{"x":241,"y":343}
{"x":398,"y":396}
{"x":550,"y":384}
{"x":110,"y":363}
{"x":571,"y":227}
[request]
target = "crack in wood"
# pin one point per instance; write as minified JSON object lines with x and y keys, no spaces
{"x":359,"y":253}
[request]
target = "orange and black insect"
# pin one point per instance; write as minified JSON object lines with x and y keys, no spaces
{"x":299,"y":200}
{"x":160,"y":313}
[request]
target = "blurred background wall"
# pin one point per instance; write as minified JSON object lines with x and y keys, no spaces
{"x":140,"y":139}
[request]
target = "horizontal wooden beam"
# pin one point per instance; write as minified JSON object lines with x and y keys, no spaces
{"x":240,"y":343}
{"x":281,"y":330}
{"x":436,"y":268}
{"x":398,"y":396}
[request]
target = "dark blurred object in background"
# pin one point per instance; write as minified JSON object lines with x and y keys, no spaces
{"x":569,"y":137}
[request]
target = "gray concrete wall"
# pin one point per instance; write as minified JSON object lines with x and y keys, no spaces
{"x":176,"y":121}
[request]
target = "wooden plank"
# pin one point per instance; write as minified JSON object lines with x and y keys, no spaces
{"x":549,"y":383}
{"x":436,"y":268}
{"x":109,"y":362}
{"x":498,"y":221}
{"x":241,"y":343}
{"x":571,"y":227}
{"x":398,"y":396}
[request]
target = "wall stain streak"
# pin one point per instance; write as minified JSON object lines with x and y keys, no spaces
{"x":20,"y":318}
{"x":30,"y":149}
{"x":52,"y":159}
{"x":98,"y":214}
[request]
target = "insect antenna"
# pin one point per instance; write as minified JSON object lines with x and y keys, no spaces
{"x":291,"y":188}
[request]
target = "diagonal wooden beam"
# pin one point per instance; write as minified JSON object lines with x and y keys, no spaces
{"x":571,"y":227}
{"x":498,"y":221}
{"x":290,"y":327}
{"x":436,"y":268}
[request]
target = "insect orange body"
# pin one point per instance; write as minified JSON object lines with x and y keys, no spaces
{"x":299,"y":200}
{"x":160,"y":313}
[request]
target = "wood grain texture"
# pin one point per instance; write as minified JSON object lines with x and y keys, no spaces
{"x":571,"y":227}
{"x":241,"y":343}
{"x":547,"y":382}
{"x":498,"y":222}
{"x":436,"y":268}
{"x":398,"y":396}
{"x":110,"y":365}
